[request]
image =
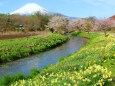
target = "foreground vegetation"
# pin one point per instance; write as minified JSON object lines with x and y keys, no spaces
{"x":92,"y":65}
{"x":18,"y":48}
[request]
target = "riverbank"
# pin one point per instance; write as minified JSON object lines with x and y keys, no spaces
{"x":13,"y":49}
{"x":42,"y":59}
{"x":103,"y":47}
{"x":92,"y":65}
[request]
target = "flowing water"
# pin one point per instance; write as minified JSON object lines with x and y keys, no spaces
{"x":42,"y":59}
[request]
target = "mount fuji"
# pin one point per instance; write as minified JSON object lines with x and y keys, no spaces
{"x":30,"y":9}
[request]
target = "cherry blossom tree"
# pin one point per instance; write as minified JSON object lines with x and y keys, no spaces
{"x":72,"y":25}
{"x":104,"y":25}
{"x":81,"y":24}
{"x":58,"y":24}
{"x":88,"y":26}
{"x":113,"y":24}
{"x":76,"y":24}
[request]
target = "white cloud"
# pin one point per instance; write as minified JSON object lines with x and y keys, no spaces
{"x":100,"y":2}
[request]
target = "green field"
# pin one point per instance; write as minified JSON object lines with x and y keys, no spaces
{"x":92,"y":65}
{"x":13,"y":49}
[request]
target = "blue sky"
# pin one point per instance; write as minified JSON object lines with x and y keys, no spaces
{"x":73,"y":8}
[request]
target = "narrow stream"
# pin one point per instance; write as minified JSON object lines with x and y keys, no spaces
{"x":42,"y":59}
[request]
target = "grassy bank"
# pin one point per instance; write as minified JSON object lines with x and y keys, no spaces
{"x":18,"y":48}
{"x":89,"y":36}
{"x":103,"y":47}
{"x":92,"y":65}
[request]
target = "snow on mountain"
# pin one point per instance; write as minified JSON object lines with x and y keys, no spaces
{"x":30,"y":9}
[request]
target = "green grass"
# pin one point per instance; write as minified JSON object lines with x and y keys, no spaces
{"x":90,"y":36}
{"x":92,"y":65}
{"x":84,"y":34}
{"x":19,"y":48}
{"x":8,"y":79}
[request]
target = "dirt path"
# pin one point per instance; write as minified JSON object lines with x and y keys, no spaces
{"x":22,"y":35}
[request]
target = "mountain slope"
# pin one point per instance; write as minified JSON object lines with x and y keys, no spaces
{"x":30,"y":9}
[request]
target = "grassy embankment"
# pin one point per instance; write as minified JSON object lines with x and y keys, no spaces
{"x":103,"y":47}
{"x":13,"y":49}
{"x":90,"y":66}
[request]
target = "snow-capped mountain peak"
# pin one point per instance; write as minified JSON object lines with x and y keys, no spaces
{"x":30,"y":9}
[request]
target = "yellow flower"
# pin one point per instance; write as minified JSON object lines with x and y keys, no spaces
{"x":71,"y":78}
{"x":65,"y":84}
{"x":109,"y":79}
{"x":105,"y":76}
{"x":94,"y":76}
{"x":69,"y":85}
{"x":104,"y":61}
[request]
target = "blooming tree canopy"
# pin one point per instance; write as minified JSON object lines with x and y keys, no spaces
{"x":76,"y":24}
{"x":58,"y":24}
{"x":104,"y":25}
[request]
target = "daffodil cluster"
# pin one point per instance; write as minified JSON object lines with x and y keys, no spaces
{"x":93,"y":75}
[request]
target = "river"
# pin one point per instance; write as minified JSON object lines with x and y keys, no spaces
{"x":42,"y":59}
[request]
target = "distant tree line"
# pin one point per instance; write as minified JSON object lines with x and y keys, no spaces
{"x":55,"y":23}
{"x":24,"y":23}
{"x":61,"y":24}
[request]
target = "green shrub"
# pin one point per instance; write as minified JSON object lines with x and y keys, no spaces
{"x":8,"y":79}
{"x":18,"y":48}
{"x":33,"y":73}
